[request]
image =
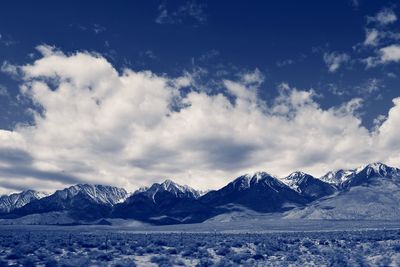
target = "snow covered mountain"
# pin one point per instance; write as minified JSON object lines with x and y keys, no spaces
{"x":163,"y":203}
{"x":259,"y":191}
{"x":371,"y":192}
{"x":179,"y":191}
{"x":308,"y":186}
{"x":368,"y":192}
{"x":347,"y":178}
{"x":337,"y":177}
{"x":102,"y":194}
{"x":81,"y":201}
{"x":369,"y":174}
{"x":17,"y":200}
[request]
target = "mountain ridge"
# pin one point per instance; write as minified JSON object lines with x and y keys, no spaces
{"x":17,"y":200}
{"x":170,"y":203}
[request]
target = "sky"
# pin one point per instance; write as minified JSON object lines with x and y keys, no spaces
{"x":199,"y":92}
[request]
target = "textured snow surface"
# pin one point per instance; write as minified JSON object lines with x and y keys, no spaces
{"x":99,"y":193}
{"x":246,"y":181}
{"x":366,"y":193}
{"x":294,"y":180}
{"x":375,"y":169}
{"x":172,"y":187}
{"x":17,"y":200}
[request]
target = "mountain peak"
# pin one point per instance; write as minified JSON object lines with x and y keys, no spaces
{"x":307,"y":185}
{"x":378,"y":168}
{"x":248,"y":180}
{"x":168,"y":185}
{"x":294,"y":179}
{"x":17,"y":200}
{"x":337,"y":177}
{"x":297,"y":175}
{"x":180,"y":191}
{"x":141,"y":190}
{"x":99,"y":193}
{"x":257,"y":175}
{"x":346,"y":178}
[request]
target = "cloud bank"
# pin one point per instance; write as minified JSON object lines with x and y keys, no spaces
{"x":128,"y":128}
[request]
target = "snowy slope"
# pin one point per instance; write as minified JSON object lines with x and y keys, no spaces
{"x":179,"y":191}
{"x":372,"y":192}
{"x":342,"y":178}
{"x":368,"y":192}
{"x":258,"y":191}
{"x":162,"y":203}
{"x":308,"y":186}
{"x":82,"y":201}
{"x":337,"y":177}
{"x":11,"y":202}
{"x":101,"y":194}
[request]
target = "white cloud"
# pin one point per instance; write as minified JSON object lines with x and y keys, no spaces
{"x":388,"y":131}
{"x":253,"y":78}
{"x":378,"y":121}
{"x":3,"y":91}
{"x":128,"y":128}
{"x":371,"y":37}
{"x":375,"y":37}
{"x":391,"y":75}
{"x":385,"y":55}
{"x":384,"y":17}
{"x":47,"y":50}
{"x":390,"y":53}
{"x":382,"y":41}
{"x":334,"y":60}
{"x":336,"y":90}
{"x":245,"y":89}
{"x":370,"y":86}
{"x":241,"y":91}
{"x":9,"y":68}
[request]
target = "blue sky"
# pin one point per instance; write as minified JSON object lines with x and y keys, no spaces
{"x":339,"y":57}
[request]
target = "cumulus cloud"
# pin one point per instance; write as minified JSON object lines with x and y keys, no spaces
{"x":377,"y":37}
{"x":390,"y":53}
{"x":128,"y":128}
{"x":384,"y":17}
{"x":9,"y":68}
{"x":387,"y":131}
{"x":387,"y":54}
{"x":371,"y":37}
{"x":381,"y":39}
{"x":334,"y":60}
{"x":246,"y":88}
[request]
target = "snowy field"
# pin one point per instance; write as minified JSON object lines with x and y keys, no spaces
{"x":108,"y":246}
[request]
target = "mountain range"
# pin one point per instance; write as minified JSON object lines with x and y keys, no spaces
{"x":368,"y":192}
